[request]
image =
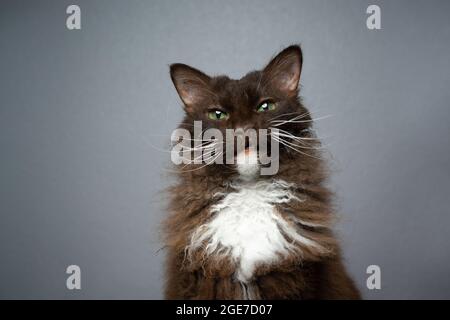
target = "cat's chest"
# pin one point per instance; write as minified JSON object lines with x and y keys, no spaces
{"x":246,"y":226}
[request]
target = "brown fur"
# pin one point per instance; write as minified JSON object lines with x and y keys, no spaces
{"x":309,"y":274}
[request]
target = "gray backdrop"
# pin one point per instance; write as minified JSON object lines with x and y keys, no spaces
{"x":85,"y":116}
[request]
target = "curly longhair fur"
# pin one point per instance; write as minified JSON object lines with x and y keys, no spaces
{"x":233,"y":236}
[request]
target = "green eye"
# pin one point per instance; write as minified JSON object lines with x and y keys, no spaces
{"x":217,"y":115}
{"x":266,"y":106}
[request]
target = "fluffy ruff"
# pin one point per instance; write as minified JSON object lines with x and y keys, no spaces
{"x":258,"y":239}
{"x":246,"y":227}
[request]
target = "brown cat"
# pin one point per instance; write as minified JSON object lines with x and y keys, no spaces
{"x":233,"y":233}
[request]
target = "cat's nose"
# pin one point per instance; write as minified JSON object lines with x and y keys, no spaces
{"x":244,"y":133}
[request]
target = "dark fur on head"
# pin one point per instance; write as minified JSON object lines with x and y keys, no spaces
{"x":315,"y":274}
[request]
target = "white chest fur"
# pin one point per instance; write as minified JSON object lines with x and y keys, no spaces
{"x":246,"y":227}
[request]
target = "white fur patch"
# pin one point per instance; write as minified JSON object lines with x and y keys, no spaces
{"x":247,"y":164}
{"x":246,"y":227}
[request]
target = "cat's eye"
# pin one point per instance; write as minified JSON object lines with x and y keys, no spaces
{"x":217,"y":115}
{"x":266,"y":106}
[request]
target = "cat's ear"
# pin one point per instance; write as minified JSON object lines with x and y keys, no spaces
{"x":192,"y":85}
{"x":283,"y":72}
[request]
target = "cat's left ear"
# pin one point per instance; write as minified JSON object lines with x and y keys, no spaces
{"x":283,"y":72}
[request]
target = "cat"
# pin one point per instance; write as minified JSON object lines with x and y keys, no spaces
{"x":232,"y":233}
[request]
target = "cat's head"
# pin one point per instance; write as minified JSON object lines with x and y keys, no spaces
{"x":265,"y":99}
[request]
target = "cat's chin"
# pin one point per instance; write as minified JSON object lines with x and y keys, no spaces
{"x":247,"y":164}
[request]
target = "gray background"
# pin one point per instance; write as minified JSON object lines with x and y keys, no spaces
{"x":85,"y":115}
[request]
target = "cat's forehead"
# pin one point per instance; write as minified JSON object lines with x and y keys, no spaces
{"x":242,"y":90}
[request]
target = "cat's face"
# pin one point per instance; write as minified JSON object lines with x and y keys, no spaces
{"x":265,"y":99}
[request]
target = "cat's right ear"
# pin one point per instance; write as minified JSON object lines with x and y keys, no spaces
{"x":192,"y":85}
{"x":283,"y":72}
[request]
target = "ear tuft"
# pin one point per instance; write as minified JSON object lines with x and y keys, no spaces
{"x":283,"y":72}
{"x":192,"y":85}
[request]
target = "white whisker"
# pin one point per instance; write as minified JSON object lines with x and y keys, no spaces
{"x":281,"y":122}
{"x":287,"y":144}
